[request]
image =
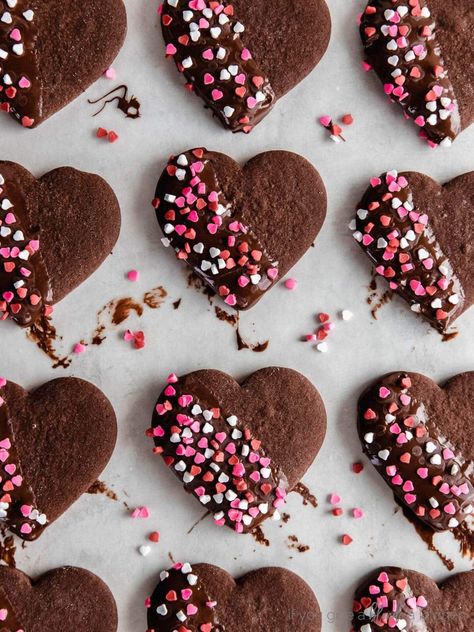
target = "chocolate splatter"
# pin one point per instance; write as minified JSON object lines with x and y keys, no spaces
{"x":465,"y":538}
{"x":259,"y":536}
{"x":154,"y":298}
{"x":294,"y":543}
{"x":203,"y":517}
{"x":130,"y":106}
{"x":376,"y":299}
{"x":7,"y":550}
{"x":99,"y":487}
{"x":258,"y":347}
{"x":425,"y":533}
{"x":118,"y":311}
{"x":197,"y":283}
{"x":306,"y":495}
{"x":177,"y":304}
{"x":44,"y":335}
{"x":231,"y":319}
{"x":285,"y":517}
{"x":450,"y":335}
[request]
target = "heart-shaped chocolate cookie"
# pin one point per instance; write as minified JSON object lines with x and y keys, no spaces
{"x":420,"y":238}
{"x":63,"y":599}
{"x":206,"y":598}
{"x":241,"y":56}
{"x":394,"y":598}
{"x":241,"y":229}
{"x":54,"y":443}
{"x":232,"y":445}
{"x":52,"y":50}
{"x":422,"y":52}
{"x":54,"y":232}
{"x":419,"y":438}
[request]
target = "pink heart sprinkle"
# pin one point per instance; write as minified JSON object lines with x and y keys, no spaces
{"x":15,"y":35}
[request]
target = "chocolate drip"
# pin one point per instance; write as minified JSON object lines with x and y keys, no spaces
{"x":8,"y":620}
{"x":401,"y":44}
{"x":396,"y":235}
{"x":204,"y":38}
{"x":20,"y":89}
{"x":427,"y":472}
{"x":216,"y":456}
{"x":386,"y":602}
{"x":200,"y":224}
{"x":180,"y":601}
{"x":24,"y":284}
{"x":17,"y":501}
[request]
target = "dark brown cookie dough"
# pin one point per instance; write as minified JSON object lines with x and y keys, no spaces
{"x":420,"y":237}
{"x":240,"y":449}
{"x":58,"y":439}
{"x":397,"y":598}
{"x":62,"y":600}
{"x":245,"y":54}
{"x":240,"y":228}
{"x":422,"y":52}
{"x":266,"y":600}
{"x":53,"y":50}
{"x":419,"y":438}
{"x":65,"y":223}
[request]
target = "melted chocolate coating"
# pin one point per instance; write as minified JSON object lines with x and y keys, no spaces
{"x":216,"y":456}
{"x":18,"y":504}
{"x":25,"y":288}
{"x":180,"y":602}
{"x":397,"y":236}
{"x":401,"y":45}
{"x":386,"y":601}
{"x":20,"y":90}
{"x":430,"y":475}
{"x":204,"y":39}
{"x":199,"y":222}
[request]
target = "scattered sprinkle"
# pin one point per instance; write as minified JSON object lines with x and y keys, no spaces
{"x":346,"y":539}
{"x":334,"y":499}
{"x":322,"y":347}
{"x":357,"y":468}
{"x":113,"y":137}
{"x":291,"y":284}
{"x":154,"y":536}
{"x":144,"y":550}
{"x":79,"y":348}
{"x":133,"y":275}
{"x":346,"y":314}
{"x":140,"y":512}
{"x":357,"y":513}
{"x":110,"y":73}
{"x":337,"y":511}
{"x":347,"y":119}
{"x":102,"y":133}
{"x":139,"y":341}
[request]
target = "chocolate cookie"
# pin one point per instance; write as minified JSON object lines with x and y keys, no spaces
{"x":62,"y":600}
{"x":54,"y":443}
{"x":241,"y":57}
{"x":54,"y":233}
{"x":206,"y":598}
{"x":422,"y":52}
{"x":52,"y":50}
{"x":394,"y":598}
{"x":419,"y":236}
{"x":419,"y":438}
{"x":232,"y":445}
{"x":241,"y":229}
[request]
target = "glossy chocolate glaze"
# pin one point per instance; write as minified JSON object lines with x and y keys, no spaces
{"x":25,"y":288}
{"x":429,"y":474}
{"x":396,"y":234}
{"x":386,"y":602}
{"x":402,"y":47}
{"x":17,"y":501}
{"x":204,"y":38}
{"x":199,"y":223}
{"x":170,"y":609}
{"x":20,"y":89}
{"x":217,"y":457}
